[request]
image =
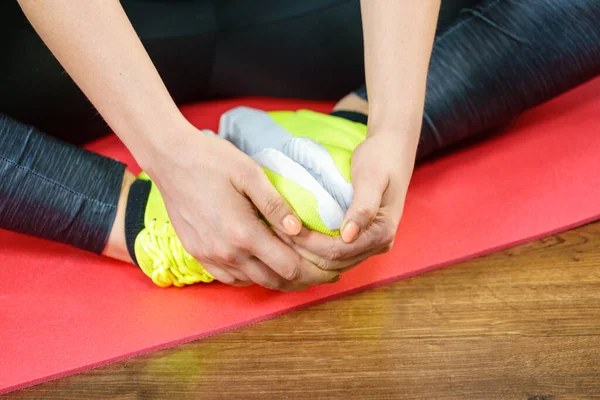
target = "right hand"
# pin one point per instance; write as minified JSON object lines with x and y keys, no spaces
{"x":212,"y":192}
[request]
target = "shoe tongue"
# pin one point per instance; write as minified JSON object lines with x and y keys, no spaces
{"x":252,"y":130}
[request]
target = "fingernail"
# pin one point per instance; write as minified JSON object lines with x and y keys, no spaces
{"x":350,"y":231}
{"x":292,"y":225}
{"x":335,"y":279}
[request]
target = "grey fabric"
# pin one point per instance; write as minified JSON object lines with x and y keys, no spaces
{"x":54,"y":190}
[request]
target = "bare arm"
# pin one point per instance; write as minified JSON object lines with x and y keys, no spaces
{"x":97,"y":46}
{"x":398,"y":41}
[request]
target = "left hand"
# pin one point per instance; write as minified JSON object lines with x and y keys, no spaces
{"x":382,"y":166}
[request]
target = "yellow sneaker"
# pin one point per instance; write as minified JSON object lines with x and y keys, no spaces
{"x":157,"y":249}
{"x":306,"y":155}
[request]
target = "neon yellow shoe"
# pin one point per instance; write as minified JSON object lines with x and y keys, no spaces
{"x":156,"y":249}
{"x":305,"y":154}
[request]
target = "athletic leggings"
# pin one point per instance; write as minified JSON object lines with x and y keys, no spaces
{"x":492,"y":60}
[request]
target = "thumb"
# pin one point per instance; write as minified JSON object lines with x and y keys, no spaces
{"x":270,"y":203}
{"x":368,"y":192}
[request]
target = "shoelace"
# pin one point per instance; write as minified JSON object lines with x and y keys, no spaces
{"x":170,"y":261}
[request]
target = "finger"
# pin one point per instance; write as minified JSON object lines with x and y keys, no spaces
{"x":222,"y":275}
{"x":359,"y":260}
{"x":262,"y":275}
{"x":240,"y":275}
{"x":333,"y":248}
{"x":285,"y":238}
{"x":269,"y":202}
{"x":368,"y":191}
{"x":285,"y":261}
{"x":339,"y":266}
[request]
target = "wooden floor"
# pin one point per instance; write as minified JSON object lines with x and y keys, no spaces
{"x":519,"y":324}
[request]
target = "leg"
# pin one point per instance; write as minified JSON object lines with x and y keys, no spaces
{"x":56,"y":191}
{"x":502,"y":58}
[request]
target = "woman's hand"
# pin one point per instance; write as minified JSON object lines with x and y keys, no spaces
{"x":212,"y":191}
{"x":398,"y":37}
{"x":381,"y":169}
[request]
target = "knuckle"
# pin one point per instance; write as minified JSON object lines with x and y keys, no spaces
{"x":206,"y":254}
{"x":253,"y":170}
{"x":366,"y":213}
{"x":197,"y":252}
{"x":292,"y":272}
{"x":323,"y":264}
{"x":272,"y":204}
{"x":386,"y":237}
{"x":227,"y":279}
{"x":333,"y":253}
{"x":240,"y":237}
{"x":227,"y":256}
{"x":220,"y":275}
{"x":248,"y":172}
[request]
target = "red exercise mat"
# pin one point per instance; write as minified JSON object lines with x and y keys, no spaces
{"x":63,"y":310}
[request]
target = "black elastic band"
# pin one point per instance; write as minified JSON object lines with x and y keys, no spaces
{"x":134,"y":213}
{"x":351,"y":116}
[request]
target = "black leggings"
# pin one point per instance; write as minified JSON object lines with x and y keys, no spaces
{"x":490,"y":62}
{"x":498,"y":58}
{"x":203,"y":49}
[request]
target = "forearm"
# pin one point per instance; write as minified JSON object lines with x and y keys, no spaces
{"x":398,"y":41}
{"x":97,"y":46}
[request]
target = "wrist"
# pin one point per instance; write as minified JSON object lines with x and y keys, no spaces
{"x":165,"y":145}
{"x":403,"y":131}
{"x":394,"y":113}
